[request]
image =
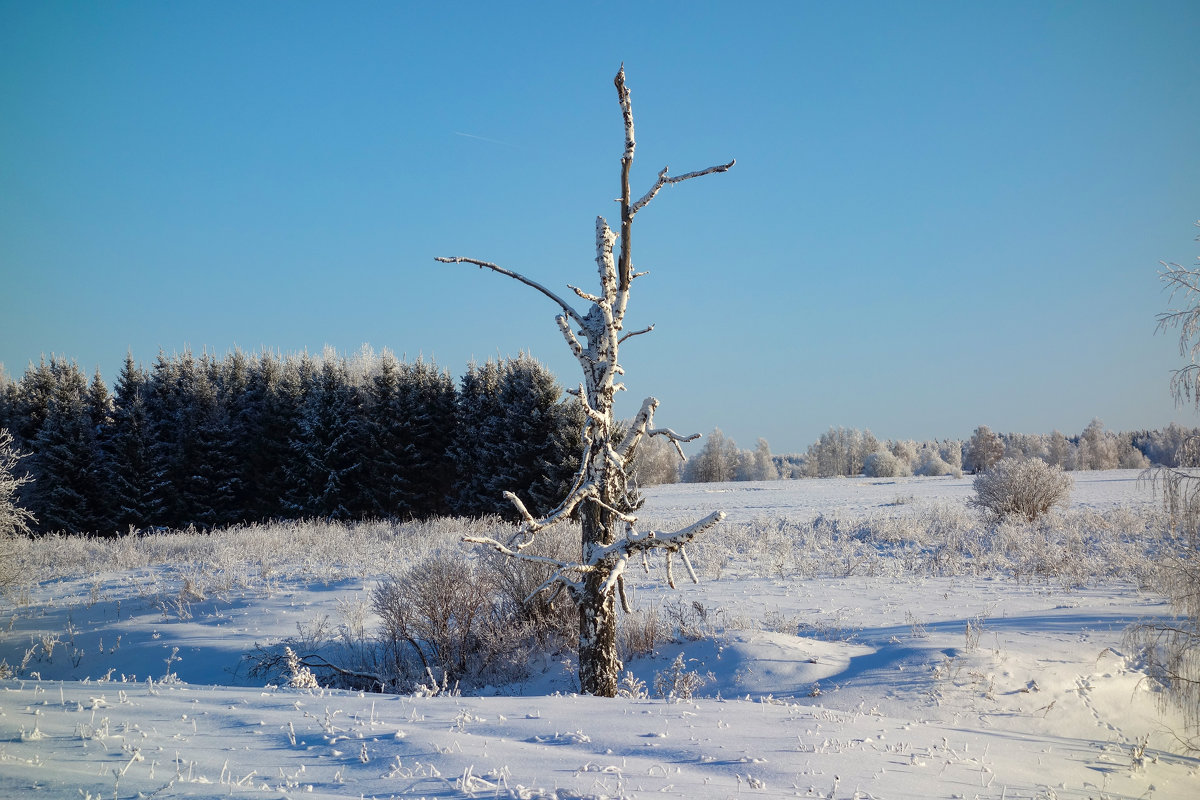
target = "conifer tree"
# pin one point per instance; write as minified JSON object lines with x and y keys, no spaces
{"x":63,"y":454}
{"x":211,"y":482}
{"x":168,"y":398}
{"x":329,"y":465}
{"x":265,"y":420}
{"x":95,"y":488}
{"x":126,"y":446}
{"x":476,"y":450}
{"x":387,"y":486}
{"x":32,"y":400}
{"x":430,"y":422}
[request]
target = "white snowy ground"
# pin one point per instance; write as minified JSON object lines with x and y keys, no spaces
{"x":853,"y":687}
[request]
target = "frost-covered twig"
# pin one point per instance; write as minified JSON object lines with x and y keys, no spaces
{"x":641,"y":427}
{"x":571,"y":312}
{"x":641,"y":332}
{"x":665,"y":180}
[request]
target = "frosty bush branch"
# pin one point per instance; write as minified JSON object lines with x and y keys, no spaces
{"x":601,"y":494}
{"x":13,"y":518}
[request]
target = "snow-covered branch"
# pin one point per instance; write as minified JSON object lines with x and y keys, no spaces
{"x":565,"y":327}
{"x":631,"y":334}
{"x":566,"y":307}
{"x":664,"y":180}
{"x":635,"y":542}
{"x":642,"y":427}
{"x":531,"y":525}
{"x":503,"y":549}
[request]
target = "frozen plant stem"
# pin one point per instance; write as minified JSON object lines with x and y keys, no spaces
{"x":601,"y":495}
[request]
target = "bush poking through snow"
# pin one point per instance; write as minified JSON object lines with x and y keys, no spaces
{"x":299,"y":676}
{"x":446,"y":615}
{"x":677,"y":683}
{"x":633,"y":687}
{"x":555,"y":625}
{"x":1025,"y":488}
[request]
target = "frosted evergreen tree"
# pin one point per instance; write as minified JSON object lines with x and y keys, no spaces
{"x":476,"y":450}
{"x":63,"y":454}
{"x":98,"y":406}
{"x":8,"y":399}
{"x":168,"y":399}
{"x":431,"y":396}
{"x":31,"y":400}
{"x":541,"y":436}
{"x":126,"y":445}
{"x":329,"y":434}
{"x":387,"y":485}
{"x":211,"y":484}
{"x":232,"y":378}
{"x":409,"y":415}
{"x":600,"y":492}
{"x":268,"y":417}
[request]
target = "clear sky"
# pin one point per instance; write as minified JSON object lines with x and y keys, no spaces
{"x":943,"y":214}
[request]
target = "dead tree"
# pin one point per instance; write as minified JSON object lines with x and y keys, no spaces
{"x":601,"y":495}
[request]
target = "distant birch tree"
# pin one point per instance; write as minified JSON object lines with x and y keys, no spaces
{"x":601,"y":493}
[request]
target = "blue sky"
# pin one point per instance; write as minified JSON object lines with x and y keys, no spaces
{"x":943,"y":214}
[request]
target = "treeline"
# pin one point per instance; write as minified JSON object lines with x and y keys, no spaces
{"x":852,"y":452}
{"x":202,"y":441}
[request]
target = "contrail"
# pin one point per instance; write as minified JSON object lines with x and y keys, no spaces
{"x":484,"y":139}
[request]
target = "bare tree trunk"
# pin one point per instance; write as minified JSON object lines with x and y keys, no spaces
{"x":600,"y":493}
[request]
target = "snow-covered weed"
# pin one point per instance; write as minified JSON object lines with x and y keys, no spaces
{"x":640,"y":633}
{"x":299,"y":676}
{"x":632,"y":687}
{"x":677,"y":683}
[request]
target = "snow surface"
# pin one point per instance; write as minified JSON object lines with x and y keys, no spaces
{"x":850,"y":687}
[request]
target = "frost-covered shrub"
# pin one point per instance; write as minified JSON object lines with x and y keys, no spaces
{"x":14,"y":520}
{"x":552,"y":621}
{"x":883,"y":464}
{"x":677,"y":683}
{"x":932,"y":465}
{"x":1024,"y":488}
{"x":299,"y":676}
{"x":445,"y":617}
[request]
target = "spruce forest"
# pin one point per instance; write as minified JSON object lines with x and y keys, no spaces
{"x":206,"y":442}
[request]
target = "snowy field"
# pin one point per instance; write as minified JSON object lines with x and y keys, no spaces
{"x":849,"y":638}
